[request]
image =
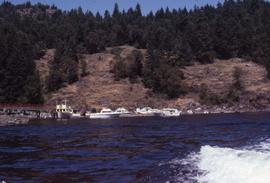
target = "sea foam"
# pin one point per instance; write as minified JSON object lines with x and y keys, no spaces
{"x":226,"y":165}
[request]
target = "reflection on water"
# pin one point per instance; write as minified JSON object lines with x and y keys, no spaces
{"x":120,"y":150}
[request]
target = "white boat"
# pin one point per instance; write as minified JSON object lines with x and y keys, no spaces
{"x":148,"y":111}
{"x":122,"y":111}
{"x":169,"y":112}
{"x":190,"y":112}
{"x":206,"y":112}
{"x":76,"y":115}
{"x":44,"y":115}
{"x":64,"y":111}
{"x":105,"y":113}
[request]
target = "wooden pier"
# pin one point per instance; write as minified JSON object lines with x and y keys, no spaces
{"x":28,"y":110}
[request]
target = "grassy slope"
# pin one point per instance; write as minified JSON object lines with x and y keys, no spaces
{"x":99,"y":89}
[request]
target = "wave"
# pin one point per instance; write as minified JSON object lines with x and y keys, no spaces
{"x":213,"y":164}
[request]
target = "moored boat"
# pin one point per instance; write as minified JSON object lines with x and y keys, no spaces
{"x":148,"y":111}
{"x":169,"y":112}
{"x":122,"y":110}
{"x":64,"y":111}
{"x":105,"y":113}
{"x":190,"y":112}
{"x":76,"y":115}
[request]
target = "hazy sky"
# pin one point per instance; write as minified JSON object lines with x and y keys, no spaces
{"x":102,"y":5}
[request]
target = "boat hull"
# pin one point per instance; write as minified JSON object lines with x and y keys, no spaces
{"x":64,"y":115}
{"x":170,"y":115}
{"x":103,"y":116}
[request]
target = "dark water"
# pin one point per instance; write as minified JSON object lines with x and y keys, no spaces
{"x":120,"y":150}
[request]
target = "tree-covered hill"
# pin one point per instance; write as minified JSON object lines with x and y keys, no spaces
{"x":174,"y":39}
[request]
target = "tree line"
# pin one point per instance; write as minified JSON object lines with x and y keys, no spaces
{"x":174,"y":38}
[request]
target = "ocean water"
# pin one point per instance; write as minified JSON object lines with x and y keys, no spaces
{"x":221,"y":148}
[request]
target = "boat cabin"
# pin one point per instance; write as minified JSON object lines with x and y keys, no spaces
{"x":64,"y":108}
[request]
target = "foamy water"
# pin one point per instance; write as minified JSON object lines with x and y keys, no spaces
{"x":226,"y":165}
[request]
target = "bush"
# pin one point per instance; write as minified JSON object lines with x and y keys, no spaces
{"x":203,"y":93}
{"x":119,"y":69}
{"x":267,"y":67}
{"x":134,"y":68}
{"x":161,"y":76}
{"x":237,"y":79}
{"x":237,"y":86}
{"x":131,"y":68}
{"x":207,"y":57}
{"x":84,"y":70}
{"x":167,"y":80}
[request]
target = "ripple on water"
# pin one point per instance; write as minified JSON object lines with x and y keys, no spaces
{"x":187,"y":149}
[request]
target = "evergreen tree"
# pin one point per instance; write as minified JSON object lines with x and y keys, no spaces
{"x":237,"y":86}
{"x":56,"y":77}
{"x":138,"y":11}
{"x":19,"y":81}
{"x":84,"y":71}
{"x":116,"y":11}
{"x":119,"y":69}
{"x":107,"y":15}
{"x":173,"y":38}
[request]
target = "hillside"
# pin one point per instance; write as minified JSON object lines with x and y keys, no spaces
{"x":172,"y":37}
{"x":218,"y":78}
{"x":99,"y":88}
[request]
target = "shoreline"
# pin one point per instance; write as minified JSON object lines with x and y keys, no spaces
{"x":12,"y":120}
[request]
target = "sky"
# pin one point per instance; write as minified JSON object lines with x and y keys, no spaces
{"x":102,"y":5}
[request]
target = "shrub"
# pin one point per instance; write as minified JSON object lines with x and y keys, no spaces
{"x":237,"y":86}
{"x":207,"y":57}
{"x":267,"y":67}
{"x":119,"y":69}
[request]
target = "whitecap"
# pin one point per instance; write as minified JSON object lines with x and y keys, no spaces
{"x":213,"y":164}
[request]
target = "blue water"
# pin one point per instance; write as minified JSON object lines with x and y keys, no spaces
{"x":121,"y":150}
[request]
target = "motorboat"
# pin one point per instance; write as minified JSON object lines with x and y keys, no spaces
{"x":148,"y":111}
{"x":190,"y":112}
{"x":123,"y":112}
{"x":169,"y":112}
{"x":105,"y":113}
{"x":206,"y":112}
{"x":64,"y":111}
{"x":76,"y":115}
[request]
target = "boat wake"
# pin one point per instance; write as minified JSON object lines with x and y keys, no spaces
{"x":222,"y":165}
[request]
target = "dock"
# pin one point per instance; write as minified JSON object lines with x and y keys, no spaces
{"x":28,"y":111}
